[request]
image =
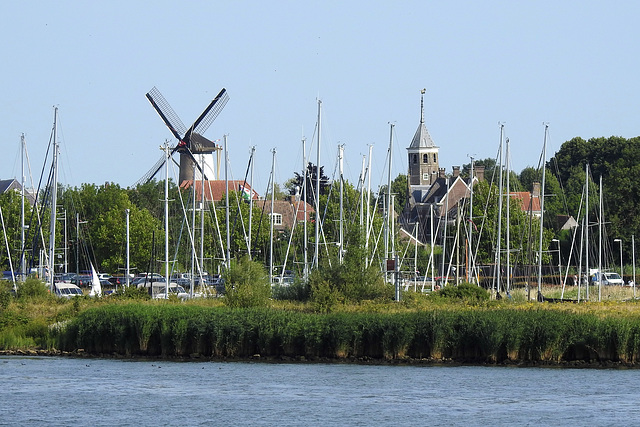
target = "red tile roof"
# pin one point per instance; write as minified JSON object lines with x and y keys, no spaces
{"x":527,"y":202}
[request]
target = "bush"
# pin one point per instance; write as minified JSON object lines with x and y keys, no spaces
{"x":464,"y":291}
{"x":298,"y":291}
{"x":324,"y":297}
{"x":246,"y":284}
{"x":131,"y":293}
{"x":5,"y":295}
{"x":32,"y":288}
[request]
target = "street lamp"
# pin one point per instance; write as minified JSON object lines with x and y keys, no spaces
{"x":620,"y":241}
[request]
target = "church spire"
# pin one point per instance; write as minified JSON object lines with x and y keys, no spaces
{"x":422,"y":105}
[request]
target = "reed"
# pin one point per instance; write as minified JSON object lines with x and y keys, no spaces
{"x":484,"y":334}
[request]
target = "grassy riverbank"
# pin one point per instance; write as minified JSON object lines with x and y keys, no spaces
{"x":419,"y":328}
{"x":487,"y":334}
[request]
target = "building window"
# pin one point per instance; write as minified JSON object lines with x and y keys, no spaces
{"x":425,"y":176}
{"x":434,"y":158}
{"x":277,"y":219}
{"x":425,"y":158}
{"x":415,"y":159}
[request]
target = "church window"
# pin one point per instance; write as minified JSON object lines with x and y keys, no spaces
{"x":425,"y":158}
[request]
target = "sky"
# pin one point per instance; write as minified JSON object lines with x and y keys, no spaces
{"x":571,"y":64}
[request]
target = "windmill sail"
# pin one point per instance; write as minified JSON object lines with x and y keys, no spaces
{"x":190,"y":141}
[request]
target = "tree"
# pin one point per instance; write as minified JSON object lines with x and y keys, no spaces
{"x":246,"y":284}
{"x":296,"y":184}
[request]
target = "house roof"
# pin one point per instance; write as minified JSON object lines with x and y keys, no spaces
{"x":13,"y":184}
{"x":215,"y":189}
{"x":528,"y":203}
{"x":9,"y":184}
{"x":289,"y":210}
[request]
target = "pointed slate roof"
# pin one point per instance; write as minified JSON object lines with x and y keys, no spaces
{"x":422,"y":139}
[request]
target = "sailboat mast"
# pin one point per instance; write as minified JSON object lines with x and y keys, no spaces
{"x":54,"y":201}
{"x":317,"y":207}
{"x":167,"y":156}
{"x":273,"y":165}
{"x":193,"y":234}
{"x":253,"y":150}
{"x":23,"y":267}
{"x":470,"y":255}
{"x":387,"y":222}
{"x":586,"y":230}
{"x":544,"y":159}
{"x":431,"y":249}
{"x":508,"y":198}
{"x":366,"y":241}
{"x":226,"y":199}
{"x":127,"y":212}
{"x":341,"y":165}
{"x":600,"y":221}
{"x":305,"y":268}
{"x":202,"y":205}
{"x":499,"y":239}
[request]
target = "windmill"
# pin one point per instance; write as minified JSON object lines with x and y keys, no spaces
{"x":190,"y":141}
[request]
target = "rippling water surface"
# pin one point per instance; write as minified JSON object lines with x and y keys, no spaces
{"x":92,"y":392}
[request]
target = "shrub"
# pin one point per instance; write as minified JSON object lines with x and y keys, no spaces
{"x":464,"y":291}
{"x":32,"y":288}
{"x":246,"y":284}
{"x":5,"y":295}
{"x":298,"y":291}
{"x":131,"y":293}
{"x":324,"y":297}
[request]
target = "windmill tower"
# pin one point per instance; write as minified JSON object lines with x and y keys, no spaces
{"x":191,"y":143}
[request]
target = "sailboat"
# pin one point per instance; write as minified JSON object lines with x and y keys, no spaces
{"x":96,"y":288}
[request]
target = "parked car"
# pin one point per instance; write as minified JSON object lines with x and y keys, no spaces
{"x":83,"y":280}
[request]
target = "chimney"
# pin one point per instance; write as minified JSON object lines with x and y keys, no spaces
{"x":441,"y":173}
{"x":536,"y":189}
{"x":456,"y":171}
{"x":479,"y":172}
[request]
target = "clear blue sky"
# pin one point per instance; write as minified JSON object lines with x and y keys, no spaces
{"x":573,"y":64}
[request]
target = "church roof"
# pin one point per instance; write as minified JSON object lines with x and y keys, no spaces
{"x":422,"y":139}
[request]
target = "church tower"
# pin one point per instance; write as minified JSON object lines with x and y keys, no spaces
{"x":423,"y":154}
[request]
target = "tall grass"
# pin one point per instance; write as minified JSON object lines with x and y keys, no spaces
{"x":492,"y":334}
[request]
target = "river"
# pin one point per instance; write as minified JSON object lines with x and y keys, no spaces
{"x":60,"y":391}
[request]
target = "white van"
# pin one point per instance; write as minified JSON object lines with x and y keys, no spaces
{"x":66,"y":290}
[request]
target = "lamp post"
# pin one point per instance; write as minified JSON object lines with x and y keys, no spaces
{"x":620,"y":241}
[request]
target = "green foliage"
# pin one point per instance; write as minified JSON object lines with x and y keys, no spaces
{"x":490,"y":334}
{"x":5,"y":296}
{"x":324,"y":297}
{"x":464,"y":291}
{"x":32,"y":289}
{"x":350,"y":281}
{"x":131,"y":293}
{"x":246,"y":284}
{"x":617,"y":161}
{"x":298,"y":291}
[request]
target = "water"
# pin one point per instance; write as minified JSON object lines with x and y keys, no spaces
{"x":96,"y":392}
